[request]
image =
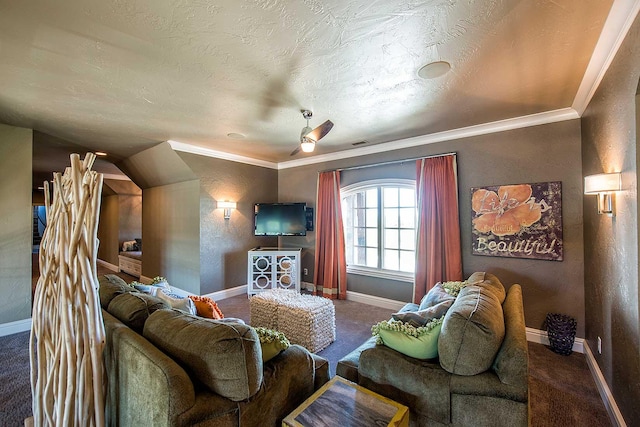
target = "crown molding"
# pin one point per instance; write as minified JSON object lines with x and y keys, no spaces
{"x":621,"y":17}
{"x":465,"y":132}
{"x":193,"y":149}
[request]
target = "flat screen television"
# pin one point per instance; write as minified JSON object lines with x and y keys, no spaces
{"x":280,"y":219}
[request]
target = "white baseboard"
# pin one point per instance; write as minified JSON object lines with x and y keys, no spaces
{"x":227,"y":293}
{"x":540,"y":337}
{"x":375,"y":301}
{"x":11,"y":328}
{"x":307,"y":286}
{"x":607,"y":398}
{"x":108,"y":265}
{"x":581,"y":346}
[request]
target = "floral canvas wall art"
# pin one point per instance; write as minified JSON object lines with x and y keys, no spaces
{"x":518,"y":221}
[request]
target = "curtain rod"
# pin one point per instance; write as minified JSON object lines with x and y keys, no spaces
{"x":391,"y":162}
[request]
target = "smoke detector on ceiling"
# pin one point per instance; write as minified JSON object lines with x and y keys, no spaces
{"x":235,"y":135}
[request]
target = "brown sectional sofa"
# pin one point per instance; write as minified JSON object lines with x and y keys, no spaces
{"x":163,"y":365}
{"x":481,"y":376}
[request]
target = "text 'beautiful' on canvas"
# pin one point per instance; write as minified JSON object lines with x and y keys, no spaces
{"x":518,"y":221}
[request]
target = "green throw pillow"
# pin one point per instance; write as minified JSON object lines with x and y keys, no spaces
{"x":272,"y":343}
{"x":419,"y":343}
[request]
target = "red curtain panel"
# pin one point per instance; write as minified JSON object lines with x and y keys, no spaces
{"x":330,"y":262}
{"x":438,"y":251}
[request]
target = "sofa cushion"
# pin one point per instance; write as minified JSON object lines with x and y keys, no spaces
{"x":147,"y":289}
{"x":226,"y":357}
{"x":409,"y":307}
{"x":110,"y":287}
{"x":435,"y":296}
{"x":115,"y":279}
{"x":133,"y":308}
{"x":489,"y":281}
{"x":182,"y":304}
{"x":472,"y":332}
{"x":422,"y":317}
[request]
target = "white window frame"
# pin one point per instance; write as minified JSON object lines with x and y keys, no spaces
{"x":370,"y":271}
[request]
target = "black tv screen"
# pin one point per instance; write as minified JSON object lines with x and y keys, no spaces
{"x":280,"y":219}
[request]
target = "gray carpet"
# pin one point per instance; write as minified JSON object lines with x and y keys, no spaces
{"x":353,"y":324}
{"x":15,"y":391}
{"x":562,"y":390}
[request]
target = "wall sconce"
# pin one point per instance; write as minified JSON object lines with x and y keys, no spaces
{"x":227,"y":206}
{"x":603,"y":184}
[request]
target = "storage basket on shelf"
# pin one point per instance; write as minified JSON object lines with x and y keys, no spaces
{"x":561,"y":330}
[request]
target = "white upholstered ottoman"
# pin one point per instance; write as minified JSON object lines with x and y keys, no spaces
{"x":306,"y":320}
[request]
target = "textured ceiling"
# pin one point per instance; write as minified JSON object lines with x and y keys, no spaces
{"x":123,"y":75}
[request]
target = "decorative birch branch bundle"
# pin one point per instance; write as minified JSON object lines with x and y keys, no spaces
{"x":67,"y":333}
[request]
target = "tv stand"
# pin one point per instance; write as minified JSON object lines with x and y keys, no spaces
{"x":273,"y":268}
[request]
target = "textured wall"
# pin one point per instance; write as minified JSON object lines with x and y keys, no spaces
{"x":16,"y":223}
{"x":171,"y":234}
{"x":130,"y":218}
{"x":609,"y":135}
{"x":120,"y":217}
{"x":108,"y":229}
{"x":224,"y":243}
{"x":536,"y":154}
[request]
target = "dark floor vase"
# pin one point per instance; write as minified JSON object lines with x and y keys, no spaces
{"x":561,"y":330}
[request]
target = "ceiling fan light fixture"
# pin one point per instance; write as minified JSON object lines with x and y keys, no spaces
{"x":307,"y":145}
{"x":309,"y":137}
{"x":434,"y":69}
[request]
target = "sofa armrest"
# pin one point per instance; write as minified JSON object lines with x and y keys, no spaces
{"x":288,"y":380}
{"x":146,"y":387}
{"x":348,"y":366}
{"x":321,"y":371}
{"x":421,"y":385}
{"x":512,"y":361}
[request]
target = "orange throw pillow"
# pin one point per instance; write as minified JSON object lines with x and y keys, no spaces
{"x":206,"y":307}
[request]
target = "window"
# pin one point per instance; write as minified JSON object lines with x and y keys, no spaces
{"x":380,"y":228}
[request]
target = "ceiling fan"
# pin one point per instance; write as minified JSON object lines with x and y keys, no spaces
{"x":309,"y":137}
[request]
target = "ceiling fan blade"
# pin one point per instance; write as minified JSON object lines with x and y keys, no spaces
{"x":320,"y":131}
{"x":296,"y":151}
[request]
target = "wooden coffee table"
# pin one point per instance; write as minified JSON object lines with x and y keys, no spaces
{"x":341,"y":403}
